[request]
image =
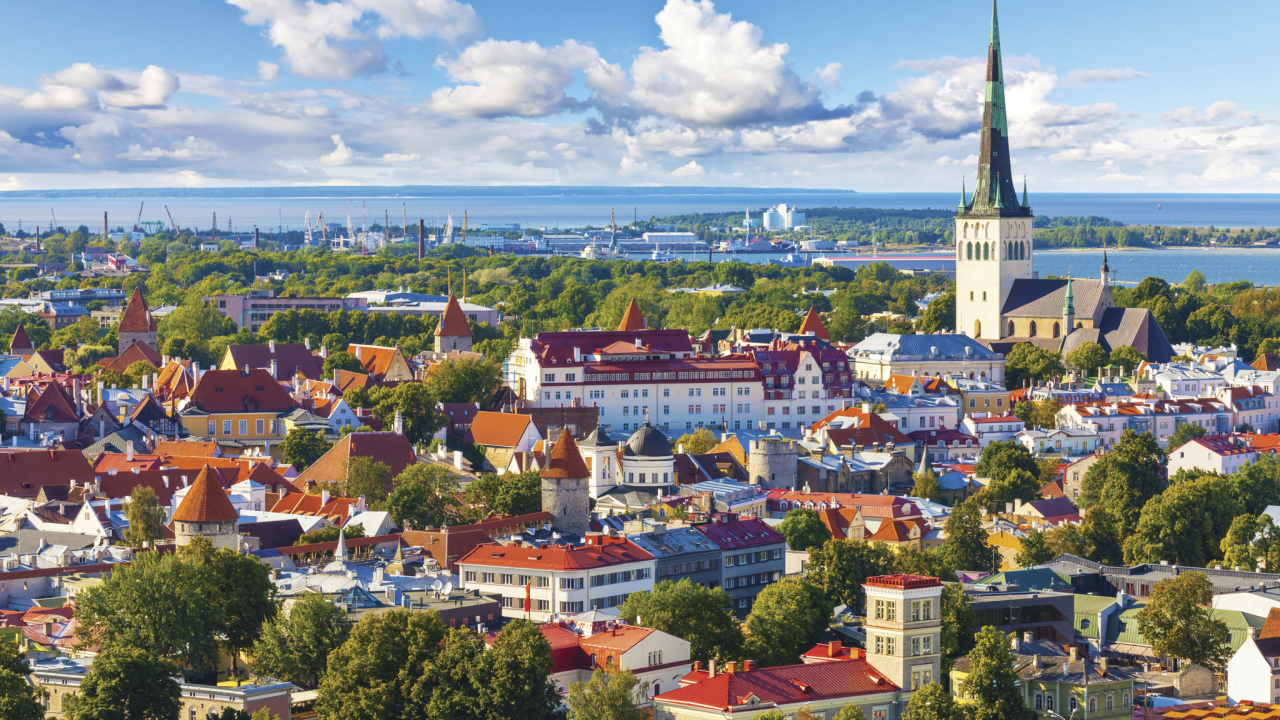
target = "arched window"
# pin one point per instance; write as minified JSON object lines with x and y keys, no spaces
{"x":1111,"y":702}
{"x":1039,"y":701}
{"x":977,"y":328}
{"x":608,"y":662}
{"x":657,"y":689}
{"x":1010,"y":328}
{"x":1093,"y":704}
{"x":593,"y":659}
{"x":966,"y":230}
{"x":1079,"y":325}
{"x":986,"y":227}
{"x":1033,"y":329}
{"x":1124,"y":700}
{"x":970,"y":254}
{"x":1048,"y":701}
{"x":1057,"y":330}
{"x":1025,"y":250}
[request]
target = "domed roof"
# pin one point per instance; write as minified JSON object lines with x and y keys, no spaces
{"x":647,"y":442}
{"x":598,"y":438}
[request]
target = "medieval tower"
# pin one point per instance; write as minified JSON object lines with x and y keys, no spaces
{"x":566,"y":487}
{"x":771,"y":463}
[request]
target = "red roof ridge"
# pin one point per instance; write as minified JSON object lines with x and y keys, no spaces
{"x":453,"y":323}
{"x":205,"y":501}
{"x":564,"y":460}
{"x":813,"y":323}
{"x":137,"y":316}
{"x":20,"y":339}
{"x":633,"y":319}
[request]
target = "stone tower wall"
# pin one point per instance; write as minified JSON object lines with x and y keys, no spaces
{"x":771,"y":463}
{"x":569,"y":499}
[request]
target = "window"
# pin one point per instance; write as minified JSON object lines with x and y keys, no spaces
{"x":1073,"y":705}
{"x":570,"y":377}
{"x":213,"y":428}
{"x":1039,"y":701}
{"x":928,"y":644}
{"x":226,"y":427}
{"x":570,"y":584}
{"x":879,"y":609}
{"x":244,"y":427}
{"x":258,"y":426}
{"x":1093,"y":704}
{"x":1124,"y":700}
{"x":879,"y":645}
{"x":890,"y":645}
{"x":891,"y":611}
{"x":1111,"y":702}
{"x":1048,"y":701}
{"x":915,"y":646}
{"x":926,"y":610}
{"x":548,"y":377}
{"x":915,"y":611}
{"x":879,"y":714}
{"x":486,"y":578}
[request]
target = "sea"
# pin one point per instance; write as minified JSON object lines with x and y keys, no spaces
{"x":578,"y":207}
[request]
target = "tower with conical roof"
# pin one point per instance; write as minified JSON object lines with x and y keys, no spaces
{"x":633,"y":319}
{"x":813,"y":324}
{"x":21,"y":344}
{"x":205,"y":511}
{"x":993,"y":227}
{"x":453,"y":332}
{"x":137,"y":324}
{"x":566,"y":487}
{"x":1069,"y":311}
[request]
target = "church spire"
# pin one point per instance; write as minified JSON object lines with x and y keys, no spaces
{"x":995,"y":193}
{"x":964,"y":199}
{"x":1026,"y":201}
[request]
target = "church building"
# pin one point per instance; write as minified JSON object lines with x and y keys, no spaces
{"x":1000,"y":299}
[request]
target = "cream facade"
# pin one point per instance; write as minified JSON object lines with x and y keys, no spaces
{"x":990,"y":254}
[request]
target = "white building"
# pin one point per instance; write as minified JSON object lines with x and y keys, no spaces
{"x":990,"y":428}
{"x":1184,"y":380}
{"x":882,"y":354}
{"x":1210,"y":453}
{"x":1250,"y":670}
{"x":563,"y":579}
{"x":670,"y":237}
{"x":1060,"y":441}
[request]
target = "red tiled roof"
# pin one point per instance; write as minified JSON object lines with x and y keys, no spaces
{"x":783,"y":685}
{"x":452,"y":322}
{"x":1267,"y":362}
{"x":177,"y":448}
{"x":385,"y":447}
{"x":137,"y":316}
{"x":1052,"y":489}
{"x":633,"y":319}
{"x":53,"y":396}
{"x":620,"y":638}
{"x":498,"y":429}
{"x":605,"y":552}
{"x":903,"y":581}
{"x":221,"y":391}
{"x":20,"y":341}
{"x":290,"y":358}
{"x":119,"y":462}
{"x":205,"y":501}
{"x":375,"y":358}
{"x":344,"y":380}
{"x":751,"y":532}
{"x":133,"y":353}
{"x":564,"y":460}
{"x":447,"y":545}
{"x":338,"y":509}
{"x":24,"y":472}
{"x":893,"y":531}
{"x":813,"y":324}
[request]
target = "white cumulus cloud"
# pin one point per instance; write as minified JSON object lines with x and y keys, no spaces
{"x":268,"y":71}
{"x":341,"y":154}
{"x":521,"y":79}
{"x":1082,"y":78}
{"x":693,"y":169}
{"x":154,"y":87}
{"x":401,"y":157}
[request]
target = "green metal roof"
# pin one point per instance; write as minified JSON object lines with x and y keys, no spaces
{"x":1040,"y":578}
{"x":1123,"y":627}
{"x":1087,"y":607}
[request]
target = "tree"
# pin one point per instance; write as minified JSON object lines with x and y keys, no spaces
{"x":1184,"y":524}
{"x":1103,"y":542}
{"x":788,"y":617}
{"x":464,"y":381}
{"x":295,"y":645}
{"x":934,"y":702}
{"x":241,"y":588}
{"x":1018,"y":484}
{"x":329,"y":533}
{"x":417,"y":407}
{"x":136,"y":371}
{"x":701,"y":615}
{"x":992,"y":681}
{"x":930,"y":563}
{"x":1035,"y":550}
{"x":1195,"y":282}
{"x":803,"y":530}
{"x":1000,"y":458}
{"x":1124,"y":479}
{"x":19,"y":700}
{"x":372,"y":674}
{"x":967,"y":546}
{"x":161,"y":604}
{"x":1027,"y":362}
{"x":1185,"y":433}
{"x":483,"y":493}
{"x":126,"y":683}
{"x":1128,"y":358}
{"x":424,"y":495}
{"x":341,"y":360}
{"x":698,"y":442}
{"x":939,"y":315}
{"x":197,"y":320}
{"x":605,"y":697}
{"x":1237,"y":547}
{"x":1178,"y":621}
{"x":146,"y":517}
{"x":1087,"y":357}
{"x":1067,"y":539}
{"x":519,"y":494}
{"x":367,"y":478}
{"x":841,"y":565}
{"x":302,"y":448}
{"x":926,"y":486}
{"x":958,"y":620}
{"x":513,"y":676}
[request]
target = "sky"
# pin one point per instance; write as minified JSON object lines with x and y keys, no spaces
{"x":1130,"y":96}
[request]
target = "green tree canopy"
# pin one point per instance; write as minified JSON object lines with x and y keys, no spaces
{"x":803,"y":530}
{"x":1001,"y":458}
{"x":967,"y":547}
{"x":1026,"y":363}
{"x":367,"y":478}
{"x":1185,"y":433}
{"x":1087,"y":357}
{"x":992,"y":682}
{"x":605,"y":697}
{"x":698,"y":442}
{"x":1178,"y":621}
{"x":126,"y":683}
{"x":939,"y":315}
{"x":699,"y":614}
{"x":146,"y":517}
{"x":1185,"y":523}
{"x":301,"y":448}
{"x":1035,"y":549}
{"x":295,"y":645}
{"x":424,"y":495}
{"x":788,"y":617}
{"x":841,"y":565}
{"x":934,"y":702}
{"x":1124,"y":479}
{"x":342,"y":360}
{"x":464,"y":381}
{"x":958,"y":620}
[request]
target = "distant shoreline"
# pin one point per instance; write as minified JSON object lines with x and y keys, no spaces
{"x":409,"y":192}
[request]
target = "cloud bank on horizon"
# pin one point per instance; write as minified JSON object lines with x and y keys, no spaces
{"x":713,"y":101}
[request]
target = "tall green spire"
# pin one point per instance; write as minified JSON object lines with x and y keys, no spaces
{"x":1069,"y":307}
{"x":964,"y":199}
{"x":995,"y":194}
{"x":1026,"y":202}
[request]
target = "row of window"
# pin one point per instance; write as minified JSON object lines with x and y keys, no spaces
{"x":689,"y":424}
{"x":508,"y":579}
{"x":1045,"y":701}
{"x":626,"y":377}
{"x":888,"y":610}
{"x":786,"y":410}
{"x":751,"y":580}
{"x":683,"y":568}
{"x":259,"y":426}
{"x":752,"y":557}
{"x":631,"y":477}
{"x":620,"y":576}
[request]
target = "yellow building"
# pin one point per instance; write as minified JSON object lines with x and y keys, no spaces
{"x":247,"y":407}
{"x":1008,"y":545}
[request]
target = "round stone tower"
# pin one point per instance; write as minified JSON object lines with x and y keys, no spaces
{"x":771,"y":463}
{"x":205,"y":511}
{"x":566,"y":487}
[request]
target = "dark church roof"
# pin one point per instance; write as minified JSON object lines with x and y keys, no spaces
{"x":1134,"y":327}
{"x":1045,"y":298}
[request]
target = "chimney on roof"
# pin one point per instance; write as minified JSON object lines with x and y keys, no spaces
{"x":306,"y":341}
{"x":273,"y":366}
{"x":1073,"y":654}
{"x":358,"y":349}
{"x":731,"y":667}
{"x":711,"y":668}
{"x":833,"y":648}
{"x":128,"y":451}
{"x":272,"y":344}
{"x":324,"y":498}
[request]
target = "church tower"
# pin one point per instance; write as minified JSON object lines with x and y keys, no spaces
{"x":993,"y":228}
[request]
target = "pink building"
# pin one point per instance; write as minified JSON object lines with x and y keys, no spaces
{"x":250,"y":311}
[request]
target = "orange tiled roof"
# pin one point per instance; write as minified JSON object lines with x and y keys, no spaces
{"x":564,"y":460}
{"x":813,"y":324}
{"x":375,"y":358}
{"x":452,"y":322}
{"x":205,"y":501}
{"x":633,"y":319}
{"x":344,"y":380}
{"x":20,"y":340}
{"x":498,"y":429}
{"x":137,"y":316}
{"x":175,"y":448}
{"x":56,"y":397}
{"x":232,"y":391}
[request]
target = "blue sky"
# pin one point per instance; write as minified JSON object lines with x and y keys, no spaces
{"x":1103,"y":96}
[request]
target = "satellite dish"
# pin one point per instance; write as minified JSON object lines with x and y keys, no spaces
{"x":448,"y":589}
{"x":437,"y":585}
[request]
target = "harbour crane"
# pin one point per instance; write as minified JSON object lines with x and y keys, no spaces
{"x":172,"y":224}
{"x":138,"y":224}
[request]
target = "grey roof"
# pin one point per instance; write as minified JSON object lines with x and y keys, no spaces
{"x":635,"y":497}
{"x":1134,"y":327}
{"x":1045,"y":298}
{"x":648,"y":442}
{"x":1224,"y":581}
{"x":25,"y":542}
{"x":674,"y":542}
{"x":598,"y":438}
{"x":117,"y":442}
{"x":949,"y":345}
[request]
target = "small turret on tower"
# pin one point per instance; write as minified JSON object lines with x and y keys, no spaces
{"x":1068,"y":311}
